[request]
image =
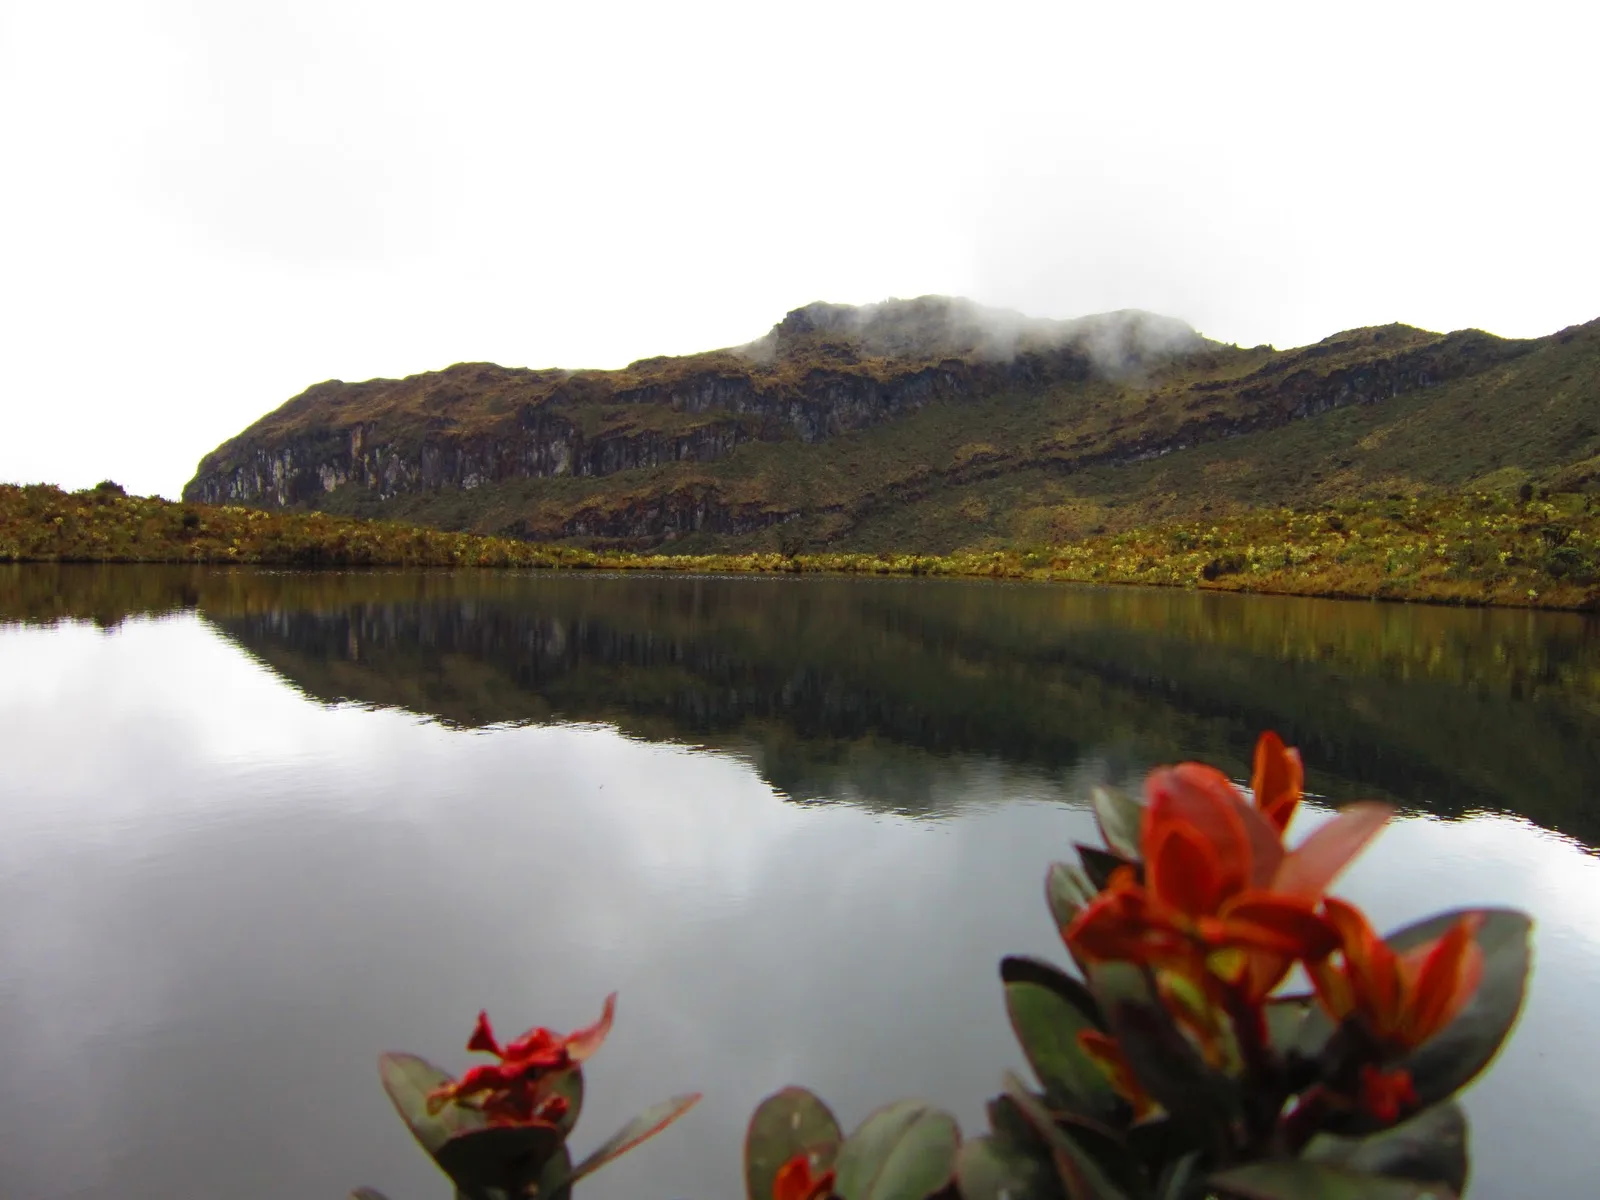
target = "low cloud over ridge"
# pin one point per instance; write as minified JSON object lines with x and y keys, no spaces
{"x":934,"y":326}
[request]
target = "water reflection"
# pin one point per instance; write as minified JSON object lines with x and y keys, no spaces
{"x":221,"y":897}
{"x":862,"y":689}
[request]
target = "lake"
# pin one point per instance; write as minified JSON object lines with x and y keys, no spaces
{"x":257,"y":827}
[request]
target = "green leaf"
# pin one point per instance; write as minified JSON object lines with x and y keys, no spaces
{"x":1452,"y":1058}
{"x":1068,"y":891}
{"x":1099,"y":864}
{"x":1080,"y":1175}
{"x":555,"y":1181}
{"x":1158,"y":1139}
{"x":786,"y":1123}
{"x":1430,"y":1147}
{"x":995,"y":1168}
{"x":499,"y":1158}
{"x":1024,"y":968}
{"x":408,"y":1080}
{"x":1008,"y":1123}
{"x":569,"y":1086}
{"x":1121,"y":820}
{"x":1047,"y":1027}
{"x":1286,"y":1018}
{"x":1300,"y":1180}
{"x":904,"y":1151}
{"x":1204,"y":1102}
{"x":646,"y":1125}
{"x":1179,"y":1179}
{"x":1107,"y":1143}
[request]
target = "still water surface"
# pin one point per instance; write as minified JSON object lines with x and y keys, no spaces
{"x":257,"y":827}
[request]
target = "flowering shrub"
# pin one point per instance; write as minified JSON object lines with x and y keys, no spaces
{"x":1171,"y":1065}
{"x":500,"y":1130}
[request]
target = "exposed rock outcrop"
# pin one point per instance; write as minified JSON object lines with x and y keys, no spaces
{"x":824,"y":371}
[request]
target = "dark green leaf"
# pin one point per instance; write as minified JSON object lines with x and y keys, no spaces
{"x":1301,"y":1180}
{"x":501,"y":1158}
{"x":1106,"y":1142}
{"x":647,"y":1124}
{"x":1204,"y":1102}
{"x":1452,"y":1058}
{"x":1047,"y":1027}
{"x":1158,"y":1139}
{"x":904,"y":1151}
{"x":1081,"y":1176}
{"x":1430,"y":1147}
{"x":555,"y":1181}
{"x":1068,"y":890}
{"x":994,"y":1168}
{"x":1008,"y":1123}
{"x":1022,"y":968}
{"x":1121,"y":819}
{"x":569,"y":1086}
{"x":1098,"y":864}
{"x":1181,"y":1180}
{"x":787,"y":1123}
{"x":408,"y":1080}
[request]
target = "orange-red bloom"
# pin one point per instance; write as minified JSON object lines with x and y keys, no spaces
{"x":512,"y":1091}
{"x":1277,"y":780}
{"x":794,"y":1181}
{"x":1386,"y":1094}
{"x":1220,"y":893}
{"x":1402,"y":999}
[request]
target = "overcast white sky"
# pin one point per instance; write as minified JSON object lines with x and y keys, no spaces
{"x":208,"y":205}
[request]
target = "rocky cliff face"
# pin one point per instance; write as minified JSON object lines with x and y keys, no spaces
{"x":1116,"y":389}
{"x":822,"y":371}
{"x":542,"y":441}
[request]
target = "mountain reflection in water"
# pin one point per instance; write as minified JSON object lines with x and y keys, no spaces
{"x":871,"y":691}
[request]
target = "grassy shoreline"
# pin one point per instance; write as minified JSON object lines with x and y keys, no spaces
{"x":1472,"y":548}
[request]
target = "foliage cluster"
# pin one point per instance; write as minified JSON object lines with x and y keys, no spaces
{"x":1169,"y":1063}
{"x":103,"y":524}
{"x":1463,"y":548}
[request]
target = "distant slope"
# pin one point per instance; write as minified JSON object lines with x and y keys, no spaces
{"x":929,"y":425}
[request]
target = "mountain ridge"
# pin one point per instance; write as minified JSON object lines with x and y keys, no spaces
{"x":839,"y":414}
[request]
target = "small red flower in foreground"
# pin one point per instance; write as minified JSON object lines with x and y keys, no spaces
{"x":794,"y":1181}
{"x":1401,"y":999}
{"x":1220,"y":892}
{"x":510,"y":1091}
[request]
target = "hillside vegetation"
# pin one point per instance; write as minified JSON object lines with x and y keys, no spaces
{"x":931,"y":427}
{"x":1463,"y":548}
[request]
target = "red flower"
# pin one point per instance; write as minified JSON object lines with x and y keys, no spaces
{"x":794,"y":1181}
{"x":1277,"y":780}
{"x":515,"y":1090}
{"x":1221,"y":895}
{"x":1386,"y":1094}
{"x":1401,"y":999}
